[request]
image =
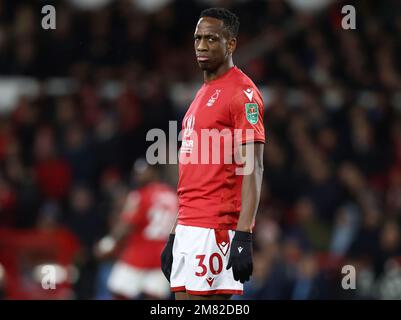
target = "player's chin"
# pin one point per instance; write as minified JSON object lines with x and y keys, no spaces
{"x":204,"y":65}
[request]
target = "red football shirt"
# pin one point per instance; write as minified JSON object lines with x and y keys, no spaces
{"x":152,"y":210}
{"x":209,"y":189}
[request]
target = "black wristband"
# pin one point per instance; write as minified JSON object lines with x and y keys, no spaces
{"x":243,"y":236}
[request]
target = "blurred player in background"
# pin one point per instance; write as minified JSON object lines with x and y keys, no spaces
{"x":139,"y":236}
{"x":209,"y":252}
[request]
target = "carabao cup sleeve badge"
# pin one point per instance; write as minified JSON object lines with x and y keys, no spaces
{"x":252,"y":112}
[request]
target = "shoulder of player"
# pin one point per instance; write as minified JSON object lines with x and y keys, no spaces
{"x":247,"y":92}
{"x":242,"y":82}
{"x":135,"y":196}
{"x":135,"y":192}
{"x":243,"y":79}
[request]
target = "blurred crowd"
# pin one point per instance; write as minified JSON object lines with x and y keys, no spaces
{"x":332,"y":190}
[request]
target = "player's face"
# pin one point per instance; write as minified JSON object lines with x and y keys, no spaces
{"x":212,"y":44}
{"x":141,"y":172}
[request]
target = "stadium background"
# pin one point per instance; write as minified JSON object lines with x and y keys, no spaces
{"x":76,"y":103}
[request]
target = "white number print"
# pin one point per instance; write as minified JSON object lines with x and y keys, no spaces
{"x":161,"y":217}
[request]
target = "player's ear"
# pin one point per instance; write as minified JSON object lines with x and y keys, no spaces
{"x":232,"y":45}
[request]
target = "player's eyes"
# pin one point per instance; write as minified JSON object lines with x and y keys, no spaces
{"x":210,"y":39}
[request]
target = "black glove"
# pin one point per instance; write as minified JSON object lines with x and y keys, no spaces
{"x":241,"y":256}
{"x":167,"y":257}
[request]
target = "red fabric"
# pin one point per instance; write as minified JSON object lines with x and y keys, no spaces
{"x":152,"y":210}
{"x":90,"y":105}
{"x":222,"y":240}
{"x":54,"y":178}
{"x":209,"y":193}
{"x":205,"y":293}
{"x":8,"y":201}
{"x":129,"y":111}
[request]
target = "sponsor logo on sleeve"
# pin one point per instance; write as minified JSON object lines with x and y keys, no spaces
{"x":252,"y":112}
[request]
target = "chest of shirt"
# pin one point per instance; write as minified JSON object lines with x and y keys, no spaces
{"x":209,"y":110}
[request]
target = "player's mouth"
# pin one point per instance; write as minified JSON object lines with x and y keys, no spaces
{"x":202,"y":58}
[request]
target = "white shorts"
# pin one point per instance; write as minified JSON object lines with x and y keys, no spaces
{"x":129,"y":281}
{"x":200,"y":257}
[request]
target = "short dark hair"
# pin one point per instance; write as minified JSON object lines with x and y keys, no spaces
{"x":230,"y":20}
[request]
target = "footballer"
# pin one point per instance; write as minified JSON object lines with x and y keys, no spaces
{"x":209,"y":251}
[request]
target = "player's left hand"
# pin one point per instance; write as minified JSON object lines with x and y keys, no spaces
{"x":240,"y":258}
{"x":105,"y":248}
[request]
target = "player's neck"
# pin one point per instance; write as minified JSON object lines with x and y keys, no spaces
{"x":210,"y":76}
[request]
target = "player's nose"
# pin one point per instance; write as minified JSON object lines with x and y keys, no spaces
{"x":202,"y":45}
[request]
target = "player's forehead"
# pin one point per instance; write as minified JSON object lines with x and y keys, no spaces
{"x":209,"y":26}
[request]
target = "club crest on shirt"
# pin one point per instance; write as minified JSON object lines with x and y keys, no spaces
{"x":252,"y":112}
{"x":213,"y":98}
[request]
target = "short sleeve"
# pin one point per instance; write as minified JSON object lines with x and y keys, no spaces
{"x":247,"y":111}
{"x":131,"y":212}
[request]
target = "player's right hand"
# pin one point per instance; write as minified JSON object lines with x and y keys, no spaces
{"x":167,"y":257}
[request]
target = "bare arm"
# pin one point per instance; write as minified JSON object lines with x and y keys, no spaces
{"x":121,"y":229}
{"x":174,"y":225}
{"x":251,"y":187}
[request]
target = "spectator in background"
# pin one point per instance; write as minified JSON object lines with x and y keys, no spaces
{"x":308,"y":285}
{"x":7,"y":203}
{"x":107,"y":143}
{"x":344,"y":230}
{"x":390,"y":245}
{"x":27,"y":197}
{"x":79,"y":154}
{"x":280,"y":271}
{"x":392,"y":197}
{"x":25,"y":122}
{"x":83,"y":217}
{"x":88,"y":225}
{"x":366,"y":244}
{"x":309,"y":227}
{"x":53,"y":173}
